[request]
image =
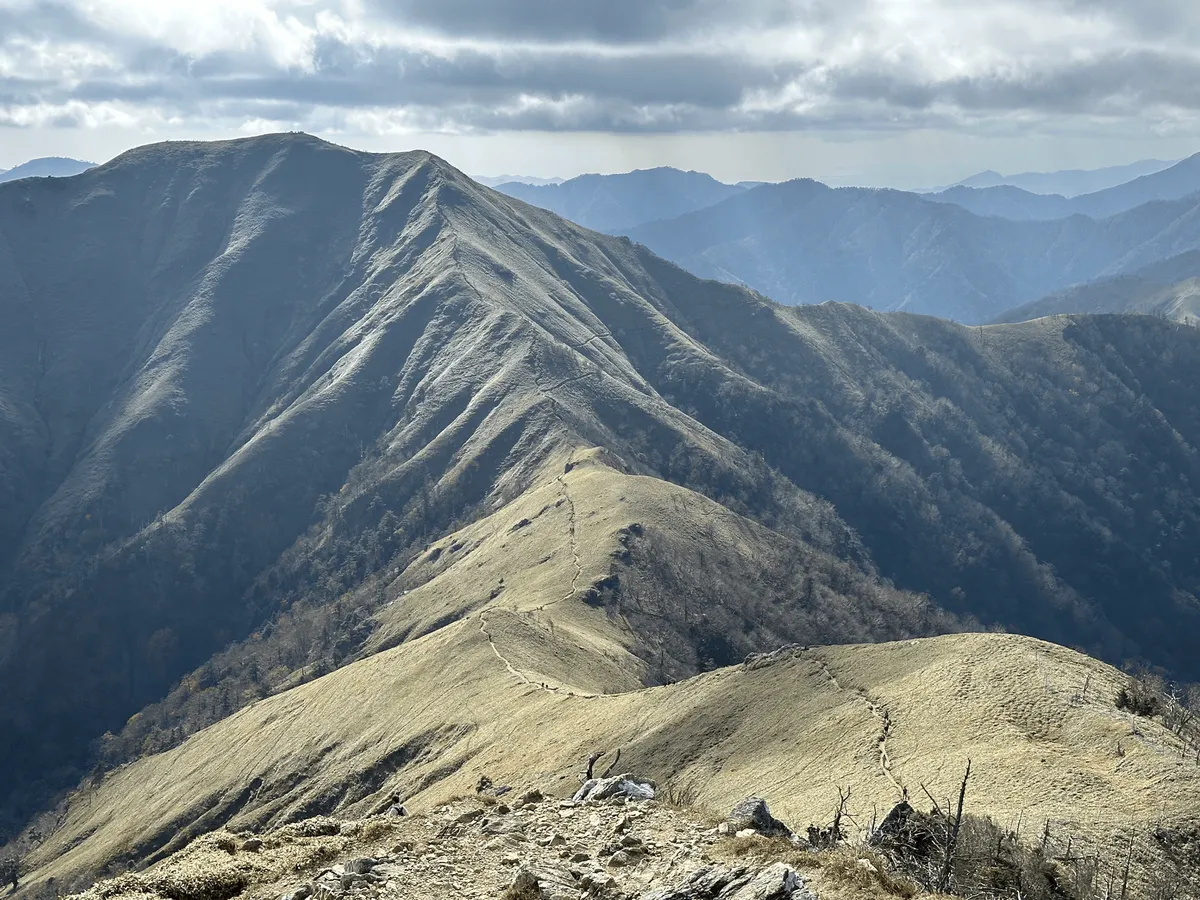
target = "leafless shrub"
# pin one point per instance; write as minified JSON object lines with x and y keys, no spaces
{"x":680,"y":795}
{"x":1143,"y":692}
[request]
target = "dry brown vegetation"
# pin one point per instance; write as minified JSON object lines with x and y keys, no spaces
{"x":537,"y":685}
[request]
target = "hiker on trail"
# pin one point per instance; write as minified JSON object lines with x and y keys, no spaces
{"x":391,"y":807}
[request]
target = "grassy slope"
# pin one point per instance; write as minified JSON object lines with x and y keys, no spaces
{"x":525,"y":685}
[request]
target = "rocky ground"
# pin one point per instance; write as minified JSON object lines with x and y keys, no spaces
{"x":516,"y":846}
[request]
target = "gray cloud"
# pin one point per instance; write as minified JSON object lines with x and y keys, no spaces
{"x":610,"y":21}
{"x":1156,"y":19}
{"x":619,"y":66}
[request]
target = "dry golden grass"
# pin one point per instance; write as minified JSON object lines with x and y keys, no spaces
{"x":765,"y":849}
{"x":856,"y":873}
{"x":426,"y":719}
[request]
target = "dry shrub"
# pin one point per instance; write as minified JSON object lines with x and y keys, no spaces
{"x":320,"y":826}
{"x":195,"y":883}
{"x":204,"y":884}
{"x":988,"y":861}
{"x":524,"y":887}
{"x":864,"y":871}
{"x":522,"y":892}
{"x":679,"y":795}
{"x":120,"y":886}
{"x":766,"y":850}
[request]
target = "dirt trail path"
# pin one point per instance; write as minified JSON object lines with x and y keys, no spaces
{"x":880,"y":712}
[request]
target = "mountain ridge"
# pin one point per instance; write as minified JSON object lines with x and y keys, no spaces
{"x":49,"y":166}
{"x":803,"y":242}
{"x":616,"y":203}
{"x":1167,"y":289}
{"x":1067,"y":182}
{"x":288,"y":462}
{"x":1173,"y":183}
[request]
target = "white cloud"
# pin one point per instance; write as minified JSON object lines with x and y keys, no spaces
{"x":387,"y":67}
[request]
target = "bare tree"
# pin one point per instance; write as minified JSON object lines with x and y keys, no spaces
{"x":953,"y":826}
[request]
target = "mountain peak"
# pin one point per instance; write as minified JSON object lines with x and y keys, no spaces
{"x":46,"y":167}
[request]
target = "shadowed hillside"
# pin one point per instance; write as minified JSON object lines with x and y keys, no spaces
{"x":251,"y":389}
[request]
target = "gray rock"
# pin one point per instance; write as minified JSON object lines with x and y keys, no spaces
{"x":360,"y":866}
{"x":762,"y":660}
{"x":524,"y":881}
{"x":546,"y":883}
{"x":595,"y":789}
{"x":620,"y":859}
{"x":253,"y":845}
{"x":774,"y":882}
{"x":754,"y":813}
{"x":706,"y":884}
{"x":503,"y":826}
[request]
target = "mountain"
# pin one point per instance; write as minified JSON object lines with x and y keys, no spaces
{"x":1037,"y":722}
{"x":351,"y":456}
{"x":1170,"y":289}
{"x":1179,"y":181}
{"x":1007,"y":202}
{"x":617,"y":203}
{"x":802,"y":242}
{"x":1067,"y":182}
{"x":497,"y":180}
{"x":50,"y":166}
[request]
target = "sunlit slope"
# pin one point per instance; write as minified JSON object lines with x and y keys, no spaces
{"x":523,"y":685}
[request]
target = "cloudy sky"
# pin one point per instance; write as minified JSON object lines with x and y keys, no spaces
{"x":874,"y":91}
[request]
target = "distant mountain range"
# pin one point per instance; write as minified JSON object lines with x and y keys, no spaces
{"x":1169,"y":289}
{"x":969,"y":254}
{"x":1009,"y":202}
{"x":1068,"y":182}
{"x":49,"y":166}
{"x":615,"y":204}
{"x":804,"y":242}
{"x":497,"y":180}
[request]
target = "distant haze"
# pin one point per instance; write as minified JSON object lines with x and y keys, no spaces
{"x":1069,"y":183}
{"x":497,"y":180}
